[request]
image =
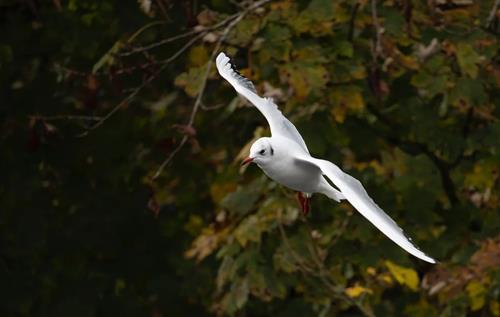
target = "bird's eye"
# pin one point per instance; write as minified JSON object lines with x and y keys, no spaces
{"x":261,"y":152}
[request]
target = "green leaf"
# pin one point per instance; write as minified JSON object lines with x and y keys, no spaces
{"x":430,"y":85}
{"x":467,"y":59}
{"x":243,"y":199}
{"x":109,"y":58}
{"x":477,"y":294}
{"x":240,"y":292}
{"x":283,"y":260}
{"x":245,"y":31}
{"x":191,"y":81}
{"x":470,"y":91}
{"x":344,"y":49}
{"x":250,"y":229}
{"x":305,"y":78}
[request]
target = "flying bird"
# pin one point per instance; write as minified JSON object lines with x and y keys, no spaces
{"x":284,"y":157}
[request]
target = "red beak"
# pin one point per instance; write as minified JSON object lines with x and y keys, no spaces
{"x":246,"y":161}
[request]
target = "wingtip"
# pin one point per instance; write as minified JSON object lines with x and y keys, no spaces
{"x":222,"y":62}
{"x":424,"y":257}
{"x":220,"y":56}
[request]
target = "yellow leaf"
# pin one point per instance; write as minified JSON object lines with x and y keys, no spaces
{"x":386,"y":278}
{"x":281,"y":5}
{"x":198,"y":56}
{"x":357,"y":291}
{"x":248,"y":231}
{"x":194,"y":224}
{"x":378,"y":168}
{"x":495,"y":308}
{"x":477,"y":295}
{"x":408,"y":61}
{"x":305,"y":77}
{"x":344,"y":100}
{"x":338,"y":113}
{"x":119,"y":286}
{"x":482,"y":176}
{"x":206,"y":243}
{"x":358,"y":72}
{"x":371,"y":271}
{"x":403,"y":275}
{"x":219,"y":190}
{"x":349,"y":96}
{"x":191,"y":81}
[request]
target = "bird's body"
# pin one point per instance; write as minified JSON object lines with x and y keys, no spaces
{"x":295,"y":174}
{"x":284,"y":157}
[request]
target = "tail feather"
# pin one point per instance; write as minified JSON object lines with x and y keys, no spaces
{"x":326,"y":189}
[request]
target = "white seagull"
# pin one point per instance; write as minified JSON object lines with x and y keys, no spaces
{"x":284,"y":157}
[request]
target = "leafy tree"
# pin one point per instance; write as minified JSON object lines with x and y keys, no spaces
{"x":122,"y":194}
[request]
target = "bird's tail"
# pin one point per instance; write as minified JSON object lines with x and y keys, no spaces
{"x":326,"y":189}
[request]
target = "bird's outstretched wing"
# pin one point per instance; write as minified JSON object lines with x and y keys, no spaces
{"x":355,"y":193}
{"x":278,"y":123}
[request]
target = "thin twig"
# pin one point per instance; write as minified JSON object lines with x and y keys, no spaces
{"x":184,"y":48}
{"x":156,"y":44}
{"x":138,"y":89}
{"x":320,"y":270}
{"x":119,"y":105}
{"x":199,"y":97}
{"x":493,"y":13}
{"x":300,"y":262}
{"x":179,"y":36}
{"x":144,"y":28}
{"x":377,"y":49}
{"x":354,"y":12}
{"x":340,"y":231}
{"x":194,"y":111}
{"x":210,"y":108}
{"x":170,"y":157}
{"x":327,"y":279}
{"x":65,"y":117}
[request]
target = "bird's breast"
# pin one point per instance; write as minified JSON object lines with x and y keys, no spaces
{"x":294,"y":174}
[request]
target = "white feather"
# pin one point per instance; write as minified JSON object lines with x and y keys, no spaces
{"x":351,"y":189}
{"x":355,"y":193}
{"x":278,"y":123}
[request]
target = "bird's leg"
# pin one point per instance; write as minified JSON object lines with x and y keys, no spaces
{"x":307,"y":205}
{"x":304,"y":203}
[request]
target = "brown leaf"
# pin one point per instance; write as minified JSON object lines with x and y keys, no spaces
{"x":206,"y":243}
{"x":206,"y":17}
{"x":92,"y":83}
{"x":154,"y":206}
{"x":449,"y":282}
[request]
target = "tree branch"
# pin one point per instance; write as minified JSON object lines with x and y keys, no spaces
{"x":377,"y":47}
{"x":354,"y":12}
{"x":301,"y":263}
{"x":134,"y":93}
{"x":180,"y":36}
{"x":493,"y":12}
{"x":415,"y":148}
{"x":65,"y":117}
{"x":199,"y":97}
{"x":327,"y":278}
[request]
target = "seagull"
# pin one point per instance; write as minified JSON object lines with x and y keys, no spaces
{"x":284,"y":157}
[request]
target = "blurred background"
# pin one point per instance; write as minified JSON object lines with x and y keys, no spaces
{"x":121,"y":192}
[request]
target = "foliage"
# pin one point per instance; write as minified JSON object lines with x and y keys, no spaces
{"x":401,"y":94}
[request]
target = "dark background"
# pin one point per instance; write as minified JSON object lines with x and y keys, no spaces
{"x":96,"y":95}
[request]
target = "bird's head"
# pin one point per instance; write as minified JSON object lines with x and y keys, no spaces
{"x":261,"y":152}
